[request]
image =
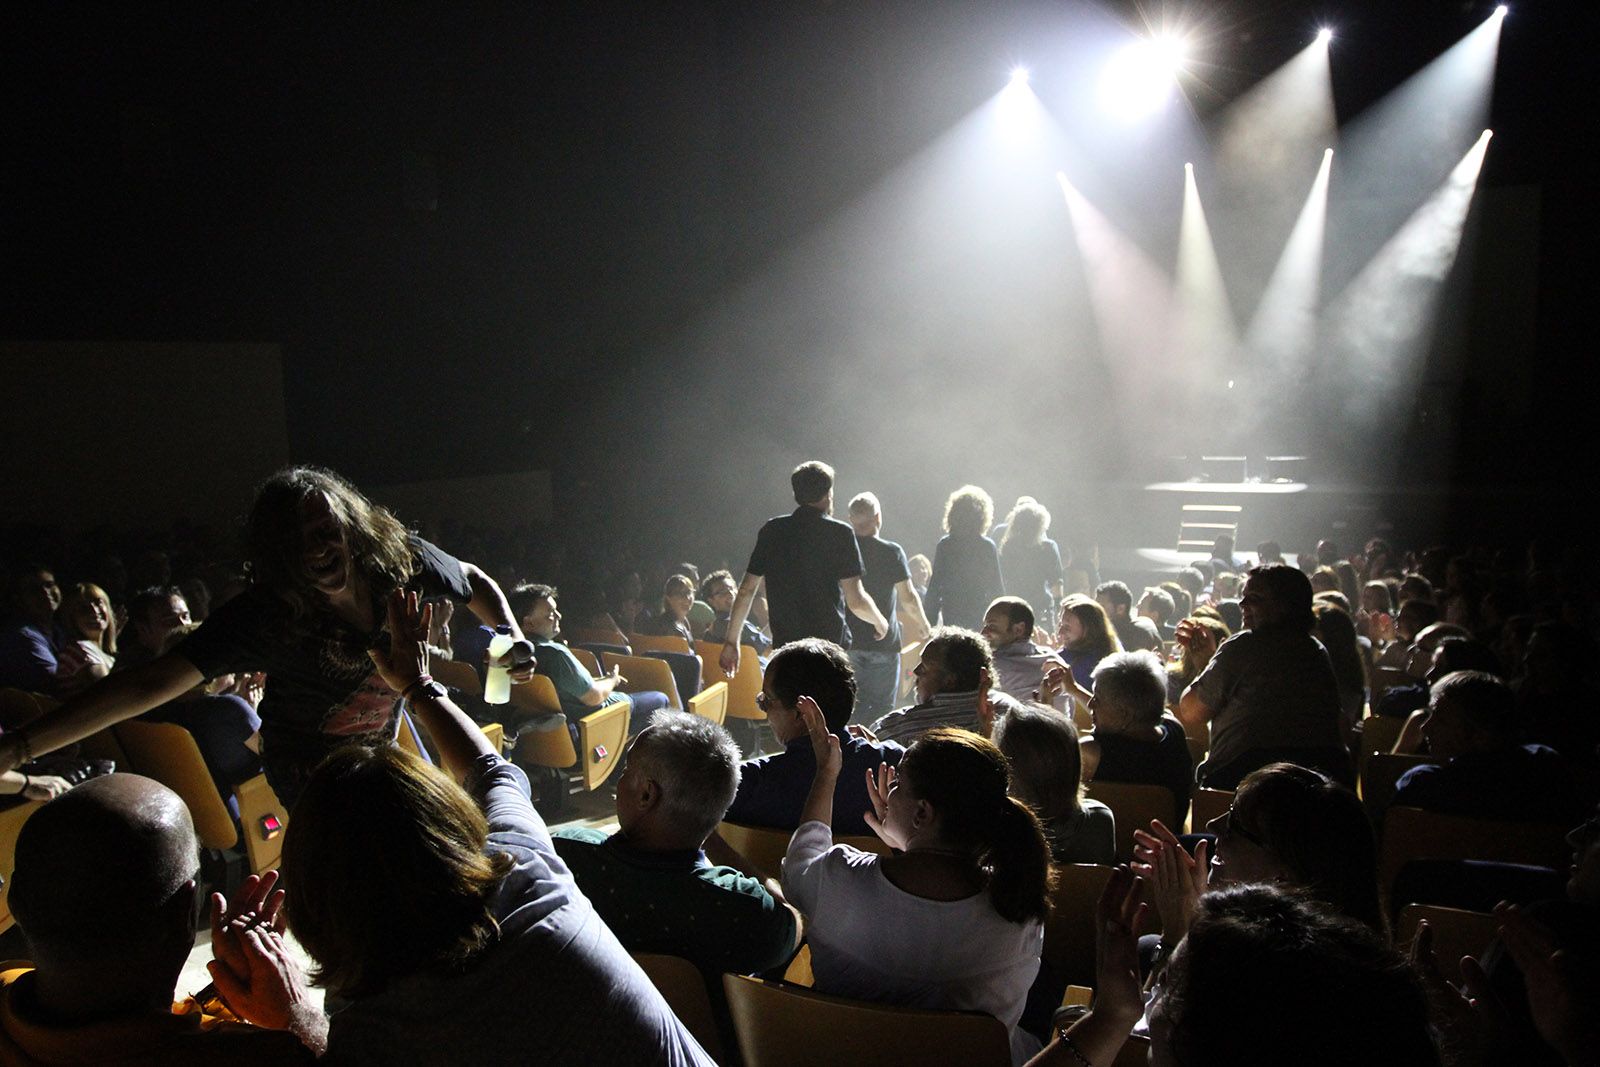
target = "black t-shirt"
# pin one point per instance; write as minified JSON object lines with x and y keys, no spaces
{"x":886,"y":567}
{"x":803,"y":556}
{"x":322,"y":690}
{"x":1166,"y":762}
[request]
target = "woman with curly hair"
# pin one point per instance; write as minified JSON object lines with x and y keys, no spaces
{"x":966,"y":564}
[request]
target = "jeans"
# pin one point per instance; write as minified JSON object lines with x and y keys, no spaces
{"x":877,"y":682}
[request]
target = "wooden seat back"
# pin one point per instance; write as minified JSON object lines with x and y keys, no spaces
{"x":682,"y":986}
{"x":785,"y":1026}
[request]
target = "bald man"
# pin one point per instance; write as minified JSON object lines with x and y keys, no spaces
{"x":105,"y":892}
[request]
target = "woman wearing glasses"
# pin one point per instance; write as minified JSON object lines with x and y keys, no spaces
{"x":1288,"y":825}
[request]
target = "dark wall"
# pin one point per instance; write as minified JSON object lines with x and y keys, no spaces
{"x":496,"y":237}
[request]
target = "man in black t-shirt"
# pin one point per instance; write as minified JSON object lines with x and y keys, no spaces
{"x":812,"y":568}
{"x":888,"y":581}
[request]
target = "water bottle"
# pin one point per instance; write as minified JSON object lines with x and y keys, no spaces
{"x":497,"y":682}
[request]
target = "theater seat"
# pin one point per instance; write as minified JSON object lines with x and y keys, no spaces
{"x":743,"y":684}
{"x":711,"y":702}
{"x":1134,"y":805}
{"x":1413,"y":834}
{"x":644,"y":674}
{"x":782,"y":1026}
{"x":666,"y":643}
{"x":684,"y":989}
{"x":765,"y":848}
{"x":168,"y":754}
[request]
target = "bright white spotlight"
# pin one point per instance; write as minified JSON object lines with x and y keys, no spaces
{"x":1326,"y":152}
{"x":1019,"y":75}
{"x":1139,"y":79}
{"x":1325,"y":35}
{"x":1502,"y":11}
{"x":1485,"y":135}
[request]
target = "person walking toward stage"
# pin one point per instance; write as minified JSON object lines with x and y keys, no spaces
{"x":966,"y":565}
{"x":324,"y":560}
{"x":812,"y":568}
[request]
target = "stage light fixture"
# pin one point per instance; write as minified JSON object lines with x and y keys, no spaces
{"x":1325,"y":34}
{"x":1139,"y":79}
{"x":1502,"y":11}
{"x":1019,"y":75}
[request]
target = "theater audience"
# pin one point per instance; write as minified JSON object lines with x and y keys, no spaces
{"x":1194,"y":655}
{"x":954,"y":674}
{"x":1472,"y":724}
{"x":1134,"y":739}
{"x":1426,"y":666}
{"x":1337,"y":633}
{"x":488,"y":945}
{"x":772,"y":789}
{"x":677,"y":597}
{"x":1041,"y":745}
{"x":153,"y":613}
{"x":1266,"y":977}
{"x":1157,"y":606}
{"x":651,"y":882}
{"x":1557,"y":696}
{"x":1287,"y":824}
{"x":85,"y":617}
{"x":966,"y":565}
{"x":1018,"y":662}
{"x":1086,"y":636}
{"x":718,"y":590}
{"x":105,"y":893}
{"x":1269,"y":692}
{"x":579,"y":691}
{"x":954,"y":918}
{"x":1136,"y":633}
{"x":34,"y":654}
{"x":222,"y":722}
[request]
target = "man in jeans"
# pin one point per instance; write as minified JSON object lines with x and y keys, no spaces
{"x":887,"y":579}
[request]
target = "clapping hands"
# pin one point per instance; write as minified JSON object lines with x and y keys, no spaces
{"x":1176,"y":878}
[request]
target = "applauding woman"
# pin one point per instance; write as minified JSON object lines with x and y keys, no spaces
{"x":953,"y":920}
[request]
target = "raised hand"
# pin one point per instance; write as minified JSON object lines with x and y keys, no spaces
{"x":1176,"y":878}
{"x":1053,"y":682}
{"x":824,"y":742}
{"x":1560,"y":995}
{"x":407,"y":657}
{"x":257,"y":903}
{"x":878,"y":786}
{"x":268,"y":988}
{"x":1119,"y":919}
{"x":1470,"y":1016}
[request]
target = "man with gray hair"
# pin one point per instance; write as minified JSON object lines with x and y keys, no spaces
{"x":887,"y":579}
{"x":105,"y":892}
{"x":956,"y":668}
{"x":651,"y":882}
{"x":1134,"y":740}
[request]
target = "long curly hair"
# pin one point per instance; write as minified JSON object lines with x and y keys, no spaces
{"x":274,"y":539}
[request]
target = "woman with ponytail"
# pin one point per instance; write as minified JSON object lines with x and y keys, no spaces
{"x":954,"y":919}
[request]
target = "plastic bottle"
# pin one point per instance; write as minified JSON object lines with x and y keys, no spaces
{"x":497,"y":681}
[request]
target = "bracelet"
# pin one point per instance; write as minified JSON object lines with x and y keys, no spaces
{"x":1072,"y":1049}
{"x":417,"y":683}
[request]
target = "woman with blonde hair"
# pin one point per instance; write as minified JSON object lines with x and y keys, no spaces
{"x":85,"y":616}
{"x":966,"y":565}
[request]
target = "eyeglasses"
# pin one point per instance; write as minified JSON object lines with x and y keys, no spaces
{"x":1227,"y":826}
